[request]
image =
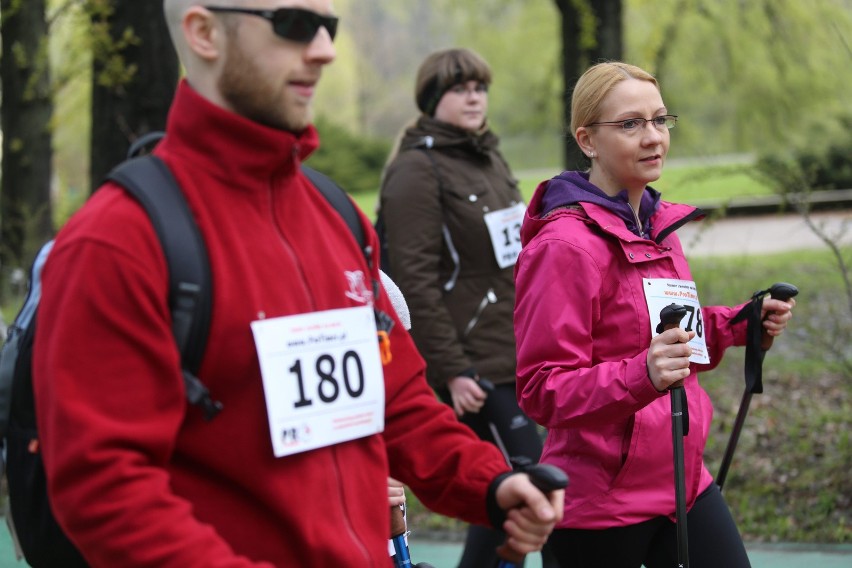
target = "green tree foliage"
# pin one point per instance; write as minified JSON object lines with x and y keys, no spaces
{"x":353,"y":161}
{"x":744,"y":75}
{"x":807,"y":168}
{"x":370,"y":88}
{"x":135,"y":73}
{"x":71,"y":64}
{"x":520,"y":41}
{"x":592,"y":31}
{"x":26,"y":112}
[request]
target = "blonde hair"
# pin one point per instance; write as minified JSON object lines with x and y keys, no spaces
{"x":595,"y":84}
{"x":444,"y":69}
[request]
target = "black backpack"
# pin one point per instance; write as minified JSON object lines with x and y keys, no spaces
{"x":148,"y":180}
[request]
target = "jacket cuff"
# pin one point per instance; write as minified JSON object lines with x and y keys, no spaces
{"x":496,"y":515}
{"x":469,"y":372}
{"x":639,"y":379}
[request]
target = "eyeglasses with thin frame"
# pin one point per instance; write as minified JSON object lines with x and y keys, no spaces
{"x":295,"y":24}
{"x":630,"y":125}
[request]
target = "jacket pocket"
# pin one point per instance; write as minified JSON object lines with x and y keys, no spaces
{"x":627,"y":440}
{"x":464,"y":206}
{"x":469,"y":193}
{"x":629,"y":443}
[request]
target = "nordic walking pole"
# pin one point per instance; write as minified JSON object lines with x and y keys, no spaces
{"x":402,"y":558}
{"x":487,"y":411}
{"x":670,"y":317}
{"x":757,"y":343}
{"x":546,"y":478}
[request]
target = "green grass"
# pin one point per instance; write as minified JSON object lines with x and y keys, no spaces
{"x":367,"y":203}
{"x":731,"y":279}
{"x":702,"y":184}
{"x":683,"y":184}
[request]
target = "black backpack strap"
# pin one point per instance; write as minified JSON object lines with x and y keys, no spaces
{"x":338,"y":199}
{"x":149,"y":180}
{"x":141,"y":144}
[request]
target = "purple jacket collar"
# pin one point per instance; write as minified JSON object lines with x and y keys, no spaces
{"x":572,"y":187}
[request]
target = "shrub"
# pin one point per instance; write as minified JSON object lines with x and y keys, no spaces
{"x":825,"y":168}
{"x":352,"y":160}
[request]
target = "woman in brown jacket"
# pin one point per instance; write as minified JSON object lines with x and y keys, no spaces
{"x":451,"y":211}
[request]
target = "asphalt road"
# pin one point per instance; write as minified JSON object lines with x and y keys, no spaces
{"x":765,"y":234}
{"x":446,"y":554}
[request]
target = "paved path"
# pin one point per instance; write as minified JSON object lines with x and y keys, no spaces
{"x":764,"y":234}
{"x":447,"y":554}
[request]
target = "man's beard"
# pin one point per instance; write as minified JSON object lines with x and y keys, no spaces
{"x":253,"y":96}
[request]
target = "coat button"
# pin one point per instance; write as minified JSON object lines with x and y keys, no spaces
{"x":631,"y":256}
{"x":472,"y":198}
{"x":647,"y":255}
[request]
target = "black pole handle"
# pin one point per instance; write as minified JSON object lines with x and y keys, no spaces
{"x":783,"y":291}
{"x":779,"y":291}
{"x":670,"y":316}
{"x":546,"y":478}
{"x":485,"y":385}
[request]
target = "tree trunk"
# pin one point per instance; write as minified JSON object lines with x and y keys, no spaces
{"x":578,"y":55}
{"x":25,"y":115}
{"x":134,"y":80}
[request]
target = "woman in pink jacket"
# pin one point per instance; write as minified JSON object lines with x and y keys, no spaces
{"x":600,"y":251}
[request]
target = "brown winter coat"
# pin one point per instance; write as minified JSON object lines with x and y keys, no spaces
{"x":433,"y":198}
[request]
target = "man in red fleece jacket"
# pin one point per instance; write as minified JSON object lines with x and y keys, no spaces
{"x":138,"y":478}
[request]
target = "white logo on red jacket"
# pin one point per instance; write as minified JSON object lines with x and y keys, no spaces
{"x":358,"y":289}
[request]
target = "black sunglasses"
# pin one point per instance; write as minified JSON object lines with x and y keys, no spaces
{"x":294,"y":24}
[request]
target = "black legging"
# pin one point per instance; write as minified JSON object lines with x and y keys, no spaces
{"x":517,"y":436}
{"x":714,"y":541}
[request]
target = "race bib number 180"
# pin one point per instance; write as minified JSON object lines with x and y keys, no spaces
{"x":322,"y":378}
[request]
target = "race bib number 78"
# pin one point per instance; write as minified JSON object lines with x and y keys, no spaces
{"x":661,"y":292}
